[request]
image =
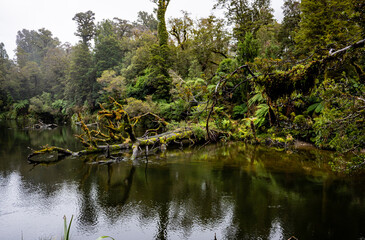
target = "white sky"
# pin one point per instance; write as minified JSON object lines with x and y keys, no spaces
{"x":56,"y":15}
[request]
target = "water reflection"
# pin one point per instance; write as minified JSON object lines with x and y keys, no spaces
{"x":235,"y":191}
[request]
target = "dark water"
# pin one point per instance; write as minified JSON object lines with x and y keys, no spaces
{"x":235,"y":191}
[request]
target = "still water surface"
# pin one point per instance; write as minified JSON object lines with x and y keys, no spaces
{"x":235,"y":191}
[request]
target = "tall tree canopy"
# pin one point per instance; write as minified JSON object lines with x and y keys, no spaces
{"x":246,"y":16}
{"x":289,"y":25}
{"x":325,"y":25}
{"x":33,"y":45}
{"x":85,"y":26}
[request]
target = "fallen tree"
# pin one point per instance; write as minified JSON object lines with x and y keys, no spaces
{"x":119,"y":136}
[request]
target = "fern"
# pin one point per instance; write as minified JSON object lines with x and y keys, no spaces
{"x":257,"y":98}
{"x":239,"y":110}
{"x":20,"y":105}
{"x":260,"y":114}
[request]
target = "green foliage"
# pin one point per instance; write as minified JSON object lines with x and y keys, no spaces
{"x":108,"y":54}
{"x":239,"y":111}
{"x":147,"y":20}
{"x":85,"y":26}
{"x":289,"y":26}
{"x":210,"y":44}
{"x":20,"y":107}
{"x":247,"y":16}
{"x":267,"y":40}
{"x":32,"y":46}
{"x":67,"y":228}
{"x":81,"y":83}
{"x":316,"y":107}
{"x":324,"y":25}
{"x":112,"y":84}
{"x":248,"y":49}
{"x":45,"y":108}
{"x":223,"y":124}
{"x":341,"y":123}
{"x":227,"y":66}
{"x":176,"y":110}
{"x":260,"y":114}
{"x":136,"y":107}
{"x":300,"y":78}
{"x":256,"y":99}
{"x":182,"y":78}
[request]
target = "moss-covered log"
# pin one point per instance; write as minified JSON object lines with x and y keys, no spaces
{"x":60,"y":151}
{"x":161,"y":141}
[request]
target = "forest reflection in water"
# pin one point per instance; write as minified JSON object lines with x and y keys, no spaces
{"x":235,"y":191}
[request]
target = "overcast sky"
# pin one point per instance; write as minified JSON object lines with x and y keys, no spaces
{"x":56,"y":15}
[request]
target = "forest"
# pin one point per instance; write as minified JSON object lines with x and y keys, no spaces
{"x":242,"y":77}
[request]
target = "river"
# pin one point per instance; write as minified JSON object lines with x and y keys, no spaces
{"x":232,"y":190}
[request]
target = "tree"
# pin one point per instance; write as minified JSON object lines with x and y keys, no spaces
{"x":210,"y":44}
{"x":268,"y":42}
{"x":181,"y":29}
{"x":85,"y":26}
{"x":289,"y":26}
{"x":81,"y":84}
{"x":33,"y":45}
{"x":113,"y":85}
{"x":248,"y":49}
{"x":4,"y":64}
{"x":123,"y":28}
{"x":32,"y":80}
{"x":3,"y":54}
{"x":108,"y":50}
{"x":54,"y":68}
{"x":246,"y":17}
{"x":161,"y":82}
{"x":163,"y":35}
{"x":326,"y":25}
{"x":147,"y":20}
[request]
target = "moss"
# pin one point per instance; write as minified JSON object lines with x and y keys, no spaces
{"x":300,"y":78}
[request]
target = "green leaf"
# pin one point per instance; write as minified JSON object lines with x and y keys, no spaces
{"x":316,"y":107}
{"x":103,"y":237}
{"x":67,"y":229}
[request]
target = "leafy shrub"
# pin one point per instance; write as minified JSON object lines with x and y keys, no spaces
{"x":136,"y":107}
{"x":177,"y":110}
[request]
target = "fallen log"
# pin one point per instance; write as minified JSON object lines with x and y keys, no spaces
{"x":160,"y":140}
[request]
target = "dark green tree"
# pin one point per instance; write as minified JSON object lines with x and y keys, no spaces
{"x":108,"y":50}
{"x":248,"y":49}
{"x":85,"y":26}
{"x":326,"y":25}
{"x":32,"y":80}
{"x":160,"y":79}
{"x":246,"y":16}
{"x":210,"y":44}
{"x":289,"y":26}
{"x":54,"y":69}
{"x":81,"y":85}
{"x":33,"y":45}
{"x":4,"y":65}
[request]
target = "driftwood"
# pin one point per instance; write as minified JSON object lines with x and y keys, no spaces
{"x":40,"y":125}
